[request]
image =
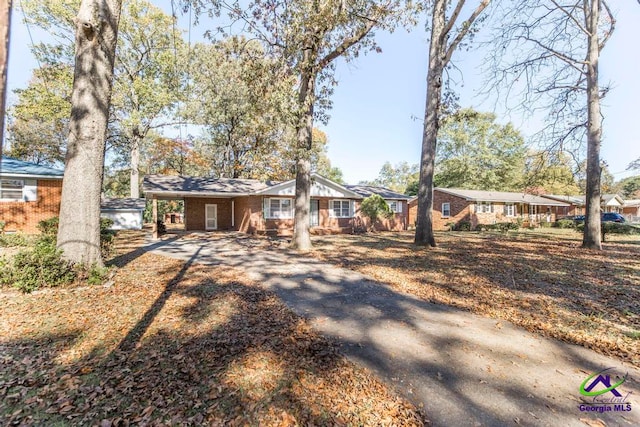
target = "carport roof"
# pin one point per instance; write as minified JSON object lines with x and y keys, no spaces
{"x":180,"y":186}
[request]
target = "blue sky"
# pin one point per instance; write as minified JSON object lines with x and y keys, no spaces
{"x":378,"y":104}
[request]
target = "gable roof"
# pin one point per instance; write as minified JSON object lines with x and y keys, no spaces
{"x":612,"y":200}
{"x":320,"y":187}
{"x":19,"y":168}
{"x":574,"y":200}
{"x":501,"y":196}
{"x":179,"y":186}
{"x":126,"y":203}
{"x":368,"y":190}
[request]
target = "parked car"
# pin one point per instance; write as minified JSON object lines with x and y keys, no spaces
{"x":612,"y":217}
{"x":578,"y":219}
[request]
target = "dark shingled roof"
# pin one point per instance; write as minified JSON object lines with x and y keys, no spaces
{"x":368,"y":190}
{"x":11,"y":166}
{"x":197,"y":185}
{"x":122,"y":204}
{"x":501,"y":196}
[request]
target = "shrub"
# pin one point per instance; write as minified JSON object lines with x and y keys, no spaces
{"x":2,"y":225}
{"x":564,"y":223}
{"x":503,"y":227}
{"x":106,"y":237}
{"x":464,"y":226}
{"x":375,"y":207}
{"x":545,"y":224}
{"x":41,"y":266}
{"x":15,"y":239}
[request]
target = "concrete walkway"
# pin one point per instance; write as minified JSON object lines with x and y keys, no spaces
{"x":465,"y":370}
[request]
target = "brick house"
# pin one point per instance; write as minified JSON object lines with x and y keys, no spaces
{"x":29,"y":193}
{"x":259,"y":207}
{"x":454,"y":206}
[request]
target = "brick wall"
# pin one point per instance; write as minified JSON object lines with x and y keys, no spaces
{"x":248,"y":213}
{"x":24,"y":216}
{"x":195,"y":216}
{"x":398,"y":222}
{"x":459,"y":207}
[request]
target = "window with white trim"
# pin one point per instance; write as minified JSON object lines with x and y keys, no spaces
{"x":395,"y":206}
{"x":446,"y":210}
{"x":279,"y":209}
{"x":509,"y":209}
{"x":484,"y":207}
{"x":11,"y":189}
{"x":341,"y":208}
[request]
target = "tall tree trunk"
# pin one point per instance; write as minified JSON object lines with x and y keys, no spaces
{"x":5,"y":30}
{"x":424,"y":224}
{"x":592,"y":227}
{"x":134,"y":181}
{"x":96,"y":34}
{"x":306,"y":98}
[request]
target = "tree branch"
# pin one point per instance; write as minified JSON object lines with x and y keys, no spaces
{"x":466,"y":26}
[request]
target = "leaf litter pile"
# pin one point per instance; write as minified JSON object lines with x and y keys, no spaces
{"x":168,"y":343}
{"x":548,"y":285}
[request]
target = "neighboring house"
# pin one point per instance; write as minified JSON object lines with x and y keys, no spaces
{"x":631,"y":210}
{"x":126,"y":213}
{"x":576,"y":204}
{"x":612,"y":203}
{"x":253,"y":206}
{"x":29,"y":193}
{"x":453,"y":206}
{"x":173,"y":218}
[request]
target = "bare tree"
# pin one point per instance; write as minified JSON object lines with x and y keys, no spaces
{"x":96,"y":36}
{"x":446,"y":35}
{"x":547,"y":58}
{"x":5,"y":29}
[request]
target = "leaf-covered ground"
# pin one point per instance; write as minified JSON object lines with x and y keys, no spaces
{"x":546,"y":284}
{"x":168,"y":343}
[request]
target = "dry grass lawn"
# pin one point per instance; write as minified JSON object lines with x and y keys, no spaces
{"x":545,"y":283}
{"x":174,"y":344}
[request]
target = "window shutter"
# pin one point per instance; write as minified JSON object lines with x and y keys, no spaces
{"x":505,"y":210}
{"x":265,"y":207}
{"x":491,"y":207}
{"x":351,"y":208}
{"x":399,"y":204}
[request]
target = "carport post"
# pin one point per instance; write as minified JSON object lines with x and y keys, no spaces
{"x":154,"y":214}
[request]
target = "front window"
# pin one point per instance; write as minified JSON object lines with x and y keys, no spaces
{"x":446,"y":210}
{"x":509,"y":209}
{"x":484,"y":207}
{"x":341,"y":208}
{"x":11,"y":189}
{"x":395,"y":206}
{"x":280,"y":209}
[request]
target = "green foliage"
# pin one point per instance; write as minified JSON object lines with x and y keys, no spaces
{"x":502,"y":227}
{"x":398,"y":178}
{"x":106,"y":236}
{"x":618,"y":228}
{"x":412,"y":188}
{"x":546,"y":224}
{"x":630,"y":187}
{"x":564,"y":223}
{"x":550,"y":172}
{"x":41,"y":266}
{"x":375,"y":207}
{"x":2,"y":225}
{"x":463,"y":226}
{"x":49,"y":229}
{"x":96,"y":275}
{"x":475,"y":152}
{"x":15,"y":240}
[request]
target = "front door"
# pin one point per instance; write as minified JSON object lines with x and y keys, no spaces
{"x":314,"y":217}
{"x":211,"y":217}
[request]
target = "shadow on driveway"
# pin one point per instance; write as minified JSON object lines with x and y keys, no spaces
{"x":464,"y":369}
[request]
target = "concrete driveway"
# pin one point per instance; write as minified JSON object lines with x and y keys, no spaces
{"x":465,"y":370}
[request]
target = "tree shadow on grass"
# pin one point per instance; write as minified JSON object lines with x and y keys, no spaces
{"x":210,"y":350}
